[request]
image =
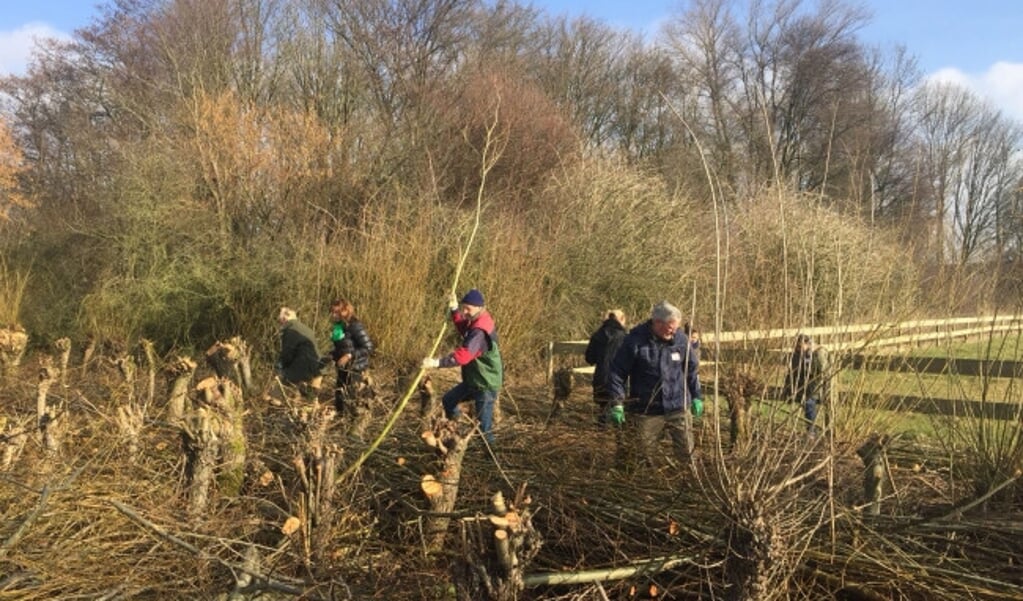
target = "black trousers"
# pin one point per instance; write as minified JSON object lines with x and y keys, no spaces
{"x":345,"y":389}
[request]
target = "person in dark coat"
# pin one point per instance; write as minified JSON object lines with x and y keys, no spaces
{"x":653,"y":379}
{"x":350,"y":353}
{"x":298,"y":361}
{"x":600,"y":349}
{"x":808,"y":382}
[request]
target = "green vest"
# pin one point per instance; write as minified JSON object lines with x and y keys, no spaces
{"x":486,"y":371}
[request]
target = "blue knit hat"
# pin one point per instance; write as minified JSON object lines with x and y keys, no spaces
{"x":473,"y":297}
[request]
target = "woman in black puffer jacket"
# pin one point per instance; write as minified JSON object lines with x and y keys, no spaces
{"x":351,"y":352}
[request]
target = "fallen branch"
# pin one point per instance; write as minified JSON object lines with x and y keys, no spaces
{"x":261,"y":582}
{"x":650,"y":566}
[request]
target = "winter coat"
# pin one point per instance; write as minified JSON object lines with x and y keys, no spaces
{"x":355,"y":341}
{"x":808,"y":376}
{"x":661,"y":374}
{"x":299,"y":361}
{"x":600,"y":350}
{"x":479,"y":355}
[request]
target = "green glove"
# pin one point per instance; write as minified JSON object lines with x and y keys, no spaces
{"x":696,"y":407}
{"x":616,"y":415}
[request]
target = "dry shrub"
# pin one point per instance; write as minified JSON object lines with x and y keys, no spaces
{"x":794,"y":261}
{"x":525,"y":131}
{"x":12,"y":293}
{"x":619,"y":238}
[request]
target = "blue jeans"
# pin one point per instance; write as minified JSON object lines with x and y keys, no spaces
{"x":810,"y":413}
{"x":484,"y":400}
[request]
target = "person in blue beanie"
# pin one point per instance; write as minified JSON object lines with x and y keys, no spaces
{"x":479,"y":357}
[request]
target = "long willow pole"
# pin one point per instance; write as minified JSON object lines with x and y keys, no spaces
{"x":488,"y":160}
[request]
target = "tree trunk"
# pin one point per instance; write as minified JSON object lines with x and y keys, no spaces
{"x":202,"y":446}
{"x":63,"y":346}
{"x":50,"y":417}
{"x":442,"y":490}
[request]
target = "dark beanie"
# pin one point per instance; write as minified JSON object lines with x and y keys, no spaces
{"x":473,"y":297}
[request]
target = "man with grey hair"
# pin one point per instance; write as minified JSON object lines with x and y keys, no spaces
{"x":657,"y":364}
{"x":298,"y":362}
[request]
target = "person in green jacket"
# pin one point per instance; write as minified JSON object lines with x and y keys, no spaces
{"x":480,"y":360}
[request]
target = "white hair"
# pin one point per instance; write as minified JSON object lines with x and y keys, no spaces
{"x":665,"y":311}
{"x":286,"y":314}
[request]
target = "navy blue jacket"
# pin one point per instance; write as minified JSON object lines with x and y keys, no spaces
{"x":600,"y":350}
{"x":661,"y":374}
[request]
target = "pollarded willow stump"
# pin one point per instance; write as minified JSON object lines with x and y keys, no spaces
{"x":495,"y":551}
{"x":232,"y":359}
{"x":179,"y":372}
{"x":130,"y":415}
{"x":428,"y":407}
{"x":223,"y":398}
{"x":362,"y":398}
{"x":151,"y":364}
{"x":13,"y":436}
{"x":13,"y":342}
{"x":63,"y":348}
{"x":740,"y":389}
{"x":450,"y":441}
{"x":873,"y":453}
{"x":755,"y":566}
{"x":315,"y":460}
{"x":50,"y":415}
{"x":201,"y":441}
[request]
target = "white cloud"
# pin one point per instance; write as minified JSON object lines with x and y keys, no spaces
{"x":1001,"y":84}
{"x":16,"y":46}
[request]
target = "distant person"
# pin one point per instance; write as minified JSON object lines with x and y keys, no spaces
{"x":480,"y":360}
{"x":350,"y":354}
{"x":808,"y":381}
{"x":696,"y":408}
{"x":600,"y":350}
{"x":653,"y":380}
{"x":298,"y":362}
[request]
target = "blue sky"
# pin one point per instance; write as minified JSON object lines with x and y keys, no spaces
{"x":973,"y":42}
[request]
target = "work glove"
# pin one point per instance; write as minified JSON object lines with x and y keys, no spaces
{"x":616,"y":415}
{"x":696,"y":407}
{"x":430,"y":363}
{"x":452,"y":302}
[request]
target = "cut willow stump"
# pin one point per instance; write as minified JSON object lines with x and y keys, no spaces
{"x":151,"y":362}
{"x":315,"y":461}
{"x":13,"y":436}
{"x":63,"y":346}
{"x":441,"y":490}
{"x":13,"y":341}
{"x":49,"y":413}
{"x":495,"y":551}
{"x":232,"y":359}
{"x":428,"y":408}
{"x":179,"y":372}
{"x":130,"y":415}
{"x":199,"y":435}
{"x":560,"y":392}
{"x":740,"y":389}
{"x":874,"y":455}
{"x":223,"y":398}
{"x":362,"y":398}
